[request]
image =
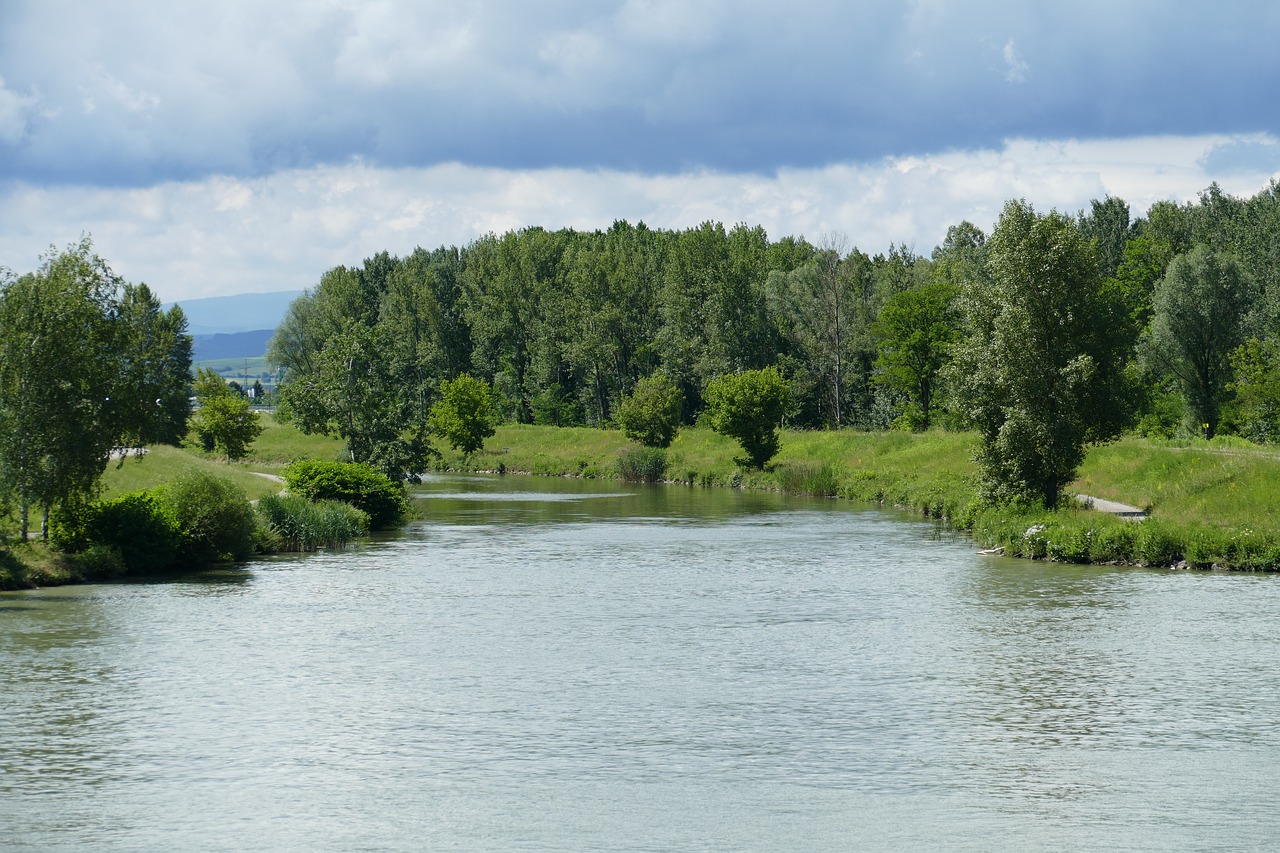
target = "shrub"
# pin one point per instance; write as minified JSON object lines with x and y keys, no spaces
{"x":370,"y":491}
{"x":749,"y":406}
{"x":214,"y":515}
{"x":1156,"y":545}
{"x":642,"y":464}
{"x":651,"y":415}
{"x":298,"y":524}
{"x":1114,"y":542}
{"x":140,"y":527}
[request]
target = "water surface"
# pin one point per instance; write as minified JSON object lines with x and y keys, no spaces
{"x":564,"y":665}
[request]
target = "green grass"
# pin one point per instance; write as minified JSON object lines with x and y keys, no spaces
{"x":280,"y":444}
{"x":1216,"y":484}
{"x":165,"y":464}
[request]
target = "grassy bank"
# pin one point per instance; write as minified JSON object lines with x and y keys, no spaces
{"x":1212,"y":504}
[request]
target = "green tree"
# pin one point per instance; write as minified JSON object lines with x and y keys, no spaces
{"x":464,"y":414}
{"x":651,"y":414}
{"x":1038,"y":363}
{"x":916,"y":329}
{"x":1198,"y":319}
{"x":155,"y":383}
{"x":59,"y":372}
{"x":224,"y":420}
{"x":749,"y":406}
{"x":350,"y":392}
{"x":1256,"y":366}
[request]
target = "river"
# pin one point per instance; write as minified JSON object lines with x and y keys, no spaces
{"x":547,"y":664}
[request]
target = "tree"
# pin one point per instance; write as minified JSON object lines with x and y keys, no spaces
{"x":651,"y":414}
{"x":155,"y":383}
{"x":59,"y":370}
{"x":916,"y":329}
{"x":749,"y":406}
{"x":350,"y":391}
{"x":1199,"y":309}
{"x":464,"y":415}
{"x":224,"y":420}
{"x":1256,"y":365}
{"x":1038,"y":363}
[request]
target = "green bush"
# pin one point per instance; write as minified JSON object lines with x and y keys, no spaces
{"x":749,"y":407}
{"x":298,"y":524}
{"x":651,"y":414}
{"x":366,"y":489}
{"x":140,"y":527}
{"x":1114,"y":542}
{"x":214,"y":515}
{"x":1157,"y":545}
{"x":642,"y":464}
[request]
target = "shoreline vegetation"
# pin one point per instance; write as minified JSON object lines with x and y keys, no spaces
{"x":1211,"y":503}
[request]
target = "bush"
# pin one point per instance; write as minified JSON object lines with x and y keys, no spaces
{"x":1157,"y":546}
{"x":651,"y":415}
{"x":140,"y":527}
{"x":749,"y":406}
{"x":370,"y":491}
{"x":298,"y":524}
{"x":642,"y":464}
{"x":214,"y":515}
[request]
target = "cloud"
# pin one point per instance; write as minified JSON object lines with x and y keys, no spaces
{"x":137,"y":92}
{"x":227,"y":234}
{"x":14,"y":109}
{"x":1016,"y":68}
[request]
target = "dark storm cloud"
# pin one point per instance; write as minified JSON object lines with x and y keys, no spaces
{"x":131,"y":93}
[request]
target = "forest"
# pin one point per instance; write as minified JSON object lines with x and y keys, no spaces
{"x":1162,"y":324}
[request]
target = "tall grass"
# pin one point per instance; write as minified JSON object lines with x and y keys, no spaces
{"x":297,"y":524}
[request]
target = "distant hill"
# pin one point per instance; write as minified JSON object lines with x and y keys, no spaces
{"x":246,"y":312}
{"x":235,"y":345}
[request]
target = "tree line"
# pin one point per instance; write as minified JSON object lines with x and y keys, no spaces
{"x":1100,"y":321}
{"x":88,"y":362}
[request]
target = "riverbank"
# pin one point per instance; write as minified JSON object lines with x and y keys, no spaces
{"x":1211,"y":504}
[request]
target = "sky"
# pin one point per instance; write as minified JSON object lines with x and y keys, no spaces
{"x":234,"y":147}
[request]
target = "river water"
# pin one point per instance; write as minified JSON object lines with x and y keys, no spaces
{"x":562,"y":665}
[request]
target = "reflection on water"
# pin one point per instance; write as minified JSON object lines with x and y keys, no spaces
{"x":564,"y":665}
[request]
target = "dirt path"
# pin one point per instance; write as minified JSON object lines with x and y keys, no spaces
{"x":1122,"y":510}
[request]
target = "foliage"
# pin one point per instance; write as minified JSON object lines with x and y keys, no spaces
{"x":350,"y":390}
{"x":59,"y":366}
{"x":224,"y":421}
{"x":297,"y":524}
{"x":155,"y":383}
{"x":140,"y":527}
{"x":642,"y":464}
{"x":749,"y":407}
{"x":361,"y":486}
{"x":651,"y":414}
{"x":464,"y":414}
{"x":916,"y":329}
{"x":214,"y":515}
{"x":1199,"y":312}
{"x":1256,"y":366}
{"x":808,"y":478}
{"x":1038,"y":368}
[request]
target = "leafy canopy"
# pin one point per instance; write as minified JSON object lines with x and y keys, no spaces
{"x":651,"y":414}
{"x":465,"y":413}
{"x":749,"y":406}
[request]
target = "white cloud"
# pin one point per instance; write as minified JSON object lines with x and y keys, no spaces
{"x":14,"y":109}
{"x":228,"y":235}
{"x":1015,"y":67}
